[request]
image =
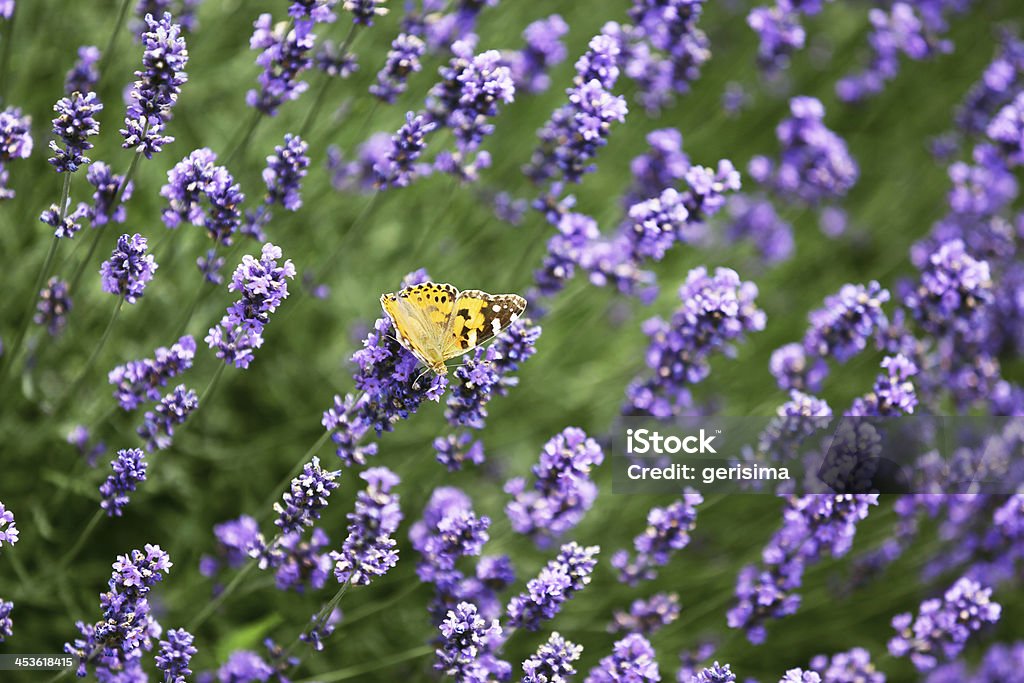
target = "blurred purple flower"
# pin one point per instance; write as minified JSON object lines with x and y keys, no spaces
{"x":286,"y":168}
{"x":668,"y":531}
{"x":402,"y":60}
{"x":553,"y":661}
{"x":543,"y":50}
{"x":15,"y":143}
{"x":158,"y":427}
{"x":139,"y":381}
{"x":647,"y":616}
{"x":53,"y":306}
{"x":204,"y":194}
{"x":129,"y":268}
{"x":107,"y":183}
{"x":284,"y":57}
{"x":84,"y":75}
{"x":129,"y":469}
{"x":632,"y":659}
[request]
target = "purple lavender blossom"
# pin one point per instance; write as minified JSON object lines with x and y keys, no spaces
{"x":815,"y":165}
{"x":712,"y":674}
{"x":900,"y":30}
{"x":299,"y":564}
{"x":779,"y":33}
{"x":263,"y":287}
{"x":668,"y":531}
{"x":358,"y":174}
{"x":320,"y":11}
{"x":286,"y":168}
{"x":453,"y":450}
{"x":348,"y":425}
{"x":139,"y":381}
{"x":717,"y":310}
{"x":73,"y":126}
{"x":943,"y":625}
{"x":107,"y":183}
{"x":369,"y":550}
{"x":129,"y":469}
{"x":332,"y":61}
{"x":399,"y":167}
{"x":557,"y":582}
{"x":200,"y":192}
{"x":364,"y":11}
{"x":655,"y":224}
{"x":812,"y":525}
{"x":647,"y":616}
{"x":114,"y":645}
{"x":543,"y":50}
{"x":449,"y":530}
{"x":755,"y":219}
{"x":997,"y":86}
{"x":562,"y":492}
{"x":6,"y":623}
{"x":848,"y":667}
{"x":244,"y":665}
{"x":84,"y":75}
{"x":663,"y":166}
{"x":235,"y":538}
{"x":53,"y":306}
{"x":632,"y":659}
{"x":174,"y":656}
{"x":893,"y":393}
{"x":156,"y":87}
{"x":67,"y":227}
{"x":284,"y":57}
{"x":1007,"y":129}
{"x":509,"y":209}
{"x":129,"y":268}
{"x":402,"y":60}
{"x":158,"y":428}
{"x":800,"y":676}
{"x":7,"y":8}
{"x":15,"y":143}
{"x":952,"y":294}
{"x":318,"y":633}
{"x":79,"y":438}
{"x":465,"y":636}
{"x":210,"y":265}
{"x":8,"y":531}
{"x":306,"y":498}
{"x":849,"y":319}
{"x":183,"y":10}
{"x":552,"y":662}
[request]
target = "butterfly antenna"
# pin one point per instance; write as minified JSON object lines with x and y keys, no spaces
{"x":416,"y":382}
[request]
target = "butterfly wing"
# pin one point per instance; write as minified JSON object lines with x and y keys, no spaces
{"x":420,"y":314}
{"x":476,"y":318}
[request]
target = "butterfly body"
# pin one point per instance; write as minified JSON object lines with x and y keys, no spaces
{"x":437,"y":322}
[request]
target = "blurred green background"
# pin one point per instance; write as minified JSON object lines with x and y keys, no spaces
{"x":228,"y":459}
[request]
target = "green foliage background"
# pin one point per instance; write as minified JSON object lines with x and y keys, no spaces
{"x":231,"y":456}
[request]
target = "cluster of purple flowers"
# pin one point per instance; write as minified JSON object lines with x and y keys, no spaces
{"x":909,"y":28}
{"x":647,"y":616}
{"x":552,"y":661}
{"x":466,"y":641}
{"x":668,"y":531}
{"x":403,"y":59}
{"x":399,"y":165}
{"x":286,"y":168}
{"x":557,"y":582}
{"x":107,"y":183}
{"x":15,"y":143}
{"x":284,"y":56}
{"x":943,"y":625}
{"x":306,"y":498}
{"x":544,"y":49}
{"x":779,"y":31}
{"x":174,"y":656}
{"x":812,"y":525}
{"x":182,"y":10}
{"x":235,"y":538}
{"x":998,"y":85}
{"x":893,"y":393}
{"x":8,"y":531}
{"x":300,"y":564}
{"x":69,"y":225}
{"x":129,"y":268}
{"x":370,"y":549}
{"x":754,"y":218}
{"x":562,"y":492}
{"x":139,"y":381}
{"x":85,"y":74}
{"x":6,"y":623}
{"x":156,"y":87}
{"x":715,"y":673}
{"x":855,"y":665}
{"x":80,"y":438}
{"x":114,"y":645}
{"x":129,"y":469}
{"x":263,"y":285}
{"x":632,"y":659}
{"x":717,"y":311}
{"x":53,"y":306}
{"x":953,"y":291}
{"x":158,"y":427}
{"x":73,"y":126}
{"x":200,"y":192}
{"x":815,"y":165}
{"x":571,"y":138}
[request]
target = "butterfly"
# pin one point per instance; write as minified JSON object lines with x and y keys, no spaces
{"x":437,"y":322}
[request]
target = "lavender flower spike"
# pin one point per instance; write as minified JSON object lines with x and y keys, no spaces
{"x":553,"y":661}
{"x":6,"y":623}
{"x":8,"y":532}
{"x":370,"y":550}
{"x":173,"y":409}
{"x":73,"y":126}
{"x":632,"y":659}
{"x":174,"y":656}
{"x":403,"y":59}
{"x":15,"y":143}
{"x":557,"y":582}
{"x":286,"y":168}
{"x":157,"y":86}
{"x":306,"y":498}
{"x":129,"y":268}
{"x":129,"y":469}
{"x":465,"y":637}
{"x":53,"y":306}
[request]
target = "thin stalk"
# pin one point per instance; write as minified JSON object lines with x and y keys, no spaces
{"x":183,"y":325}
{"x":329,"y":261}
{"x":296,"y":469}
{"x":320,"y":96}
{"x":82,"y":538}
{"x":318,"y":622}
{"x":212,"y":605}
{"x":254,"y":121}
{"x":96,"y":231}
{"x":47,"y":262}
{"x":427,"y":230}
{"x":71,"y":393}
{"x":118,"y":25}
{"x":211,"y":386}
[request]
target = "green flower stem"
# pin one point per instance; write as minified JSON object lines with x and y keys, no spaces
{"x":82,"y":538}
{"x":5,"y":58}
{"x":296,"y":468}
{"x":47,"y":262}
{"x":320,"y":96}
{"x":95,"y":232}
{"x":73,"y":391}
{"x":212,"y":605}
{"x":243,"y":141}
